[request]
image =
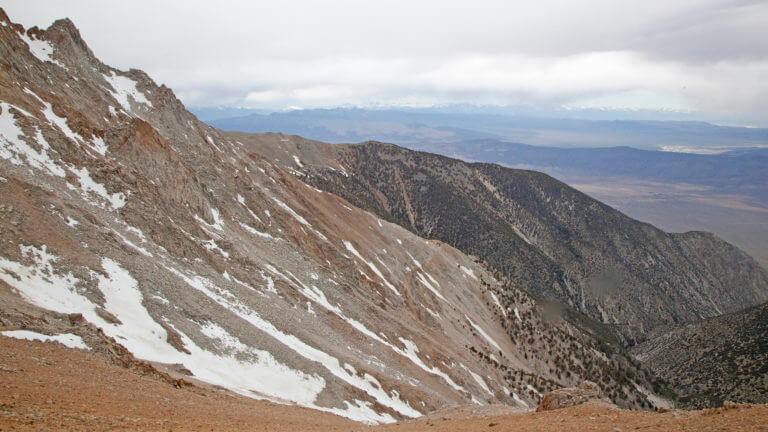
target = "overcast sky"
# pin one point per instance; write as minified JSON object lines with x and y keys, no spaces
{"x":706,"y":55}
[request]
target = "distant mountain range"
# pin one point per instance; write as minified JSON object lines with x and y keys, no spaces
{"x":410,"y":126}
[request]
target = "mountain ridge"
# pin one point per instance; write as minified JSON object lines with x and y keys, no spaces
{"x":517,"y":203}
{"x":418,"y":126}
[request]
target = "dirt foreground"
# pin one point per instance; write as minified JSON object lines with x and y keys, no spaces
{"x":46,"y":387}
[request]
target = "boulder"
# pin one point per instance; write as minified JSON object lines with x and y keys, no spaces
{"x":570,"y":396}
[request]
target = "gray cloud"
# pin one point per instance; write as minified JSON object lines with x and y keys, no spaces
{"x":701,"y":55}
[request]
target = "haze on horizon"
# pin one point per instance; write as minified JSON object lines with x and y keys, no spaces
{"x":706,"y":56}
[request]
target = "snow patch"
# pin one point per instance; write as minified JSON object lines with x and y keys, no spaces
{"x":332,"y":364}
{"x":97,"y":145}
{"x":260,"y":374}
{"x":218,"y":222}
{"x":298,"y":161}
{"x":468,"y":272}
{"x":411,"y":351}
{"x":138,"y":248}
{"x":253,"y":373}
{"x":479,"y":380}
{"x":483,"y":333}
{"x":518,"y":400}
{"x":161,"y":299}
{"x":498,"y":303}
{"x":241,"y":200}
{"x":429,"y":286}
{"x":213,"y":247}
{"x":295,"y":215}
{"x":41,"y":286}
{"x":88,"y":185}
{"x":314,"y":294}
{"x":533,"y":389}
{"x":13,"y":147}
{"x":418,"y":264}
{"x":69,"y":340}
{"x":59,"y":122}
{"x":41,"y":49}
{"x":431,"y":312}
{"x":123,"y":88}
{"x":257,"y":232}
{"x":371,"y":265}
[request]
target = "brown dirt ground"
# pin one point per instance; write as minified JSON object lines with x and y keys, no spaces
{"x":45,"y":387}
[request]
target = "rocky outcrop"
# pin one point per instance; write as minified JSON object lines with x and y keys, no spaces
{"x":570,"y":396}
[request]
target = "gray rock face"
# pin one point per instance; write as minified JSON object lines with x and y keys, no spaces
{"x":209,"y":253}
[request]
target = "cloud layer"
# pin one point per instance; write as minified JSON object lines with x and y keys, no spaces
{"x":702,"y":55}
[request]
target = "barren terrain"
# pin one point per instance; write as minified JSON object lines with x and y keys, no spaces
{"x":46,"y":387}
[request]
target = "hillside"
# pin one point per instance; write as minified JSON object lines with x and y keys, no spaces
{"x":107,"y":401}
{"x":722,"y":358}
{"x":726,"y":194}
{"x":129,"y":225}
{"x":550,"y":239}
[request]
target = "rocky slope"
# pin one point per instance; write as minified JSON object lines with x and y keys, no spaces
{"x":550,"y":239}
{"x":719,"y":359}
{"x":726,"y":194}
{"x":106,"y":401}
{"x":207,"y":255}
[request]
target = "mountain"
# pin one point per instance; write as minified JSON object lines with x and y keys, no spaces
{"x":131,"y":229}
{"x":715,"y":360}
{"x":345,"y":125}
{"x":733,"y":171}
{"x":414,"y":126}
{"x":550,"y":239}
{"x":726,"y":194}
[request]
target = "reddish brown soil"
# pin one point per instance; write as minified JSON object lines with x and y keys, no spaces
{"x":47,"y":387}
{"x":597,"y":417}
